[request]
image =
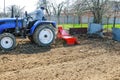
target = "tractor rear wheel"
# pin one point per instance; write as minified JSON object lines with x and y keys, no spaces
{"x":44,"y":35}
{"x":7,"y":41}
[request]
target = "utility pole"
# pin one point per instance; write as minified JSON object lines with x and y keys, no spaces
{"x":4,"y":7}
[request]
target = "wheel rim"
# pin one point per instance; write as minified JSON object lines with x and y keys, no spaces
{"x":6,"y":42}
{"x":46,"y":36}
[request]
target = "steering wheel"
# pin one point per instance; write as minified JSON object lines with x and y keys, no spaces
{"x":28,"y":16}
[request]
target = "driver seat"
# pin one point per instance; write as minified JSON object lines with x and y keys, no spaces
{"x":31,"y":23}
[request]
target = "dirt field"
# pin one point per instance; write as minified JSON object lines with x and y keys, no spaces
{"x":93,"y":59}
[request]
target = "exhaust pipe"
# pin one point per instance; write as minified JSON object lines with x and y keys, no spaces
{"x":17,"y":30}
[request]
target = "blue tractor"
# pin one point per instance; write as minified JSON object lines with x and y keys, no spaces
{"x":41,"y":32}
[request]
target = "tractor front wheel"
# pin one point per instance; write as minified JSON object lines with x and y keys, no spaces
{"x":7,"y":41}
{"x":44,"y":35}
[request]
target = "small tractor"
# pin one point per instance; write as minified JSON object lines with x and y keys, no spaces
{"x":41,"y":32}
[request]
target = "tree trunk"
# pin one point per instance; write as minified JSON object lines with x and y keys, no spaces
{"x":58,"y":19}
{"x":97,"y":18}
{"x":114,"y":21}
{"x":79,"y":19}
{"x":67,"y":18}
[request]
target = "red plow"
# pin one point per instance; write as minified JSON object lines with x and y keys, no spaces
{"x":64,"y":35}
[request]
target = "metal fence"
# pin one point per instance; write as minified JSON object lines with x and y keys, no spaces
{"x":84,"y":19}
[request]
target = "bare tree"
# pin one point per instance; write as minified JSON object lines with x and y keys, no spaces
{"x":116,"y":9}
{"x":3,"y":15}
{"x":66,"y":9}
{"x":15,"y":10}
{"x":66,"y":13}
{"x":57,"y":9}
{"x":98,"y":9}
{"x":79,"y":7}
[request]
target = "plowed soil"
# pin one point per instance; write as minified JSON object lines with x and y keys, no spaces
{"x":92,"y":59}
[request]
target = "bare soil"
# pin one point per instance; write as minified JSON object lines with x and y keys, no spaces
{"x":92,"y":59}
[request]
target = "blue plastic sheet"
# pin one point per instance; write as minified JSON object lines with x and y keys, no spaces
{"x":116,"y":34}
{"x":94,"y":28}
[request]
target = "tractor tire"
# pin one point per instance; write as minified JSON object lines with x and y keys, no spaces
{"x":31,"y":38}
{"x":7,"y":41}
{"x":44,"y":35}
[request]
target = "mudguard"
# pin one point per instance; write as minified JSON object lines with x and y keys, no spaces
{"x":40,"y":23}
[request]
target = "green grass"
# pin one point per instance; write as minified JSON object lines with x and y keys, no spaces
{"x":111,"y":26}
{"x":67,"y":26}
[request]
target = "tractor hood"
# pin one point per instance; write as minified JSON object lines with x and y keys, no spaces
{"x":8,"y":19}
{"x":8,"y":23}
